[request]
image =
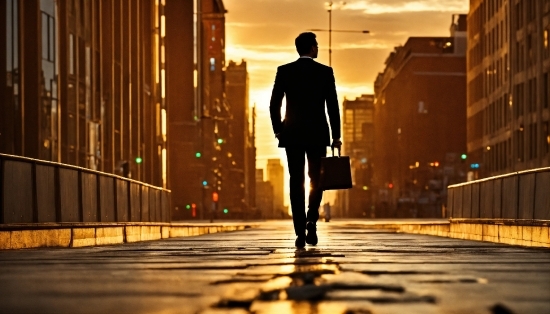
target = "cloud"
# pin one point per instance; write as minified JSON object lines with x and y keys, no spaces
{"x":401,"y":6}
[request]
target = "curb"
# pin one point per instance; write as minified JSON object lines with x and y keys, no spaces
{"x":82,"y":235}
{"x":507,"y":231}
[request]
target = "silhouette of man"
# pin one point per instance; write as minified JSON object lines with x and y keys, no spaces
{"x":304,"y":132}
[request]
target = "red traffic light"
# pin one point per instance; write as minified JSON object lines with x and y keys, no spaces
{"x":390,"y":185}
{"x":215,"y":196}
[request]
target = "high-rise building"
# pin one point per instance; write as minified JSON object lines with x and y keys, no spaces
{"x":420,"y":129}
{"x":264,"y":196}
{"x":508,"y":86}
{"x":185,"y":156}
{"x":242,"y":168}
{"x":84,"y":84}
{"x":200,"y":167}
{"x":358,"y":139}
{"x":275,"y":175}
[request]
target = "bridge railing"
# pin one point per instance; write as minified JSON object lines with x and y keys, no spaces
{"x":517,"y":195}
{"x":37,"y":191}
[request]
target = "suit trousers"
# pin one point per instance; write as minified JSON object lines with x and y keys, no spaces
{"x":296,"y":166}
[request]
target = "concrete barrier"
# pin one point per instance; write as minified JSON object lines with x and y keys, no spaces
{"x":524,"y":232}
{"x":21,"y":236}
{"x":518,"y":195}
{"x":37,"y":191}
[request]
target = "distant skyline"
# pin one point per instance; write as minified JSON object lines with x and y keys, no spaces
{"x":262,"y":32}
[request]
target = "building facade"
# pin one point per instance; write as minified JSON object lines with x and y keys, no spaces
{"x":358,"y":139}
{"x":420,"y":129}
{"x":85,"y":84}
{"x":241,"y":150}
{"x":264,"y":196}
{"x":275,"y":175}
{"x":508,"y":86}
{"x":186,"y":168}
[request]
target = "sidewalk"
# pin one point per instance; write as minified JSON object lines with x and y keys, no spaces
{"x":354,"y":269}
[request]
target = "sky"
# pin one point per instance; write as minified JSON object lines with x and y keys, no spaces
{"x":262,"y":33}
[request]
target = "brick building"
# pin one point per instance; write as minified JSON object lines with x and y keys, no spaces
{"x":358,"y":139}
{"x":241,"y":146}
{"x":420,"y":129}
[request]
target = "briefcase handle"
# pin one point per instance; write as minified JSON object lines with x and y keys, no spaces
{"x":338,"y":148}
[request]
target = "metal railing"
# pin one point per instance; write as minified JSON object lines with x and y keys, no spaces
{"x":38,"y":191}
{"x":517,"y":195}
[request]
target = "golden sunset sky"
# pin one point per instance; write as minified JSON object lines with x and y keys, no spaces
{"x":262,"y":33}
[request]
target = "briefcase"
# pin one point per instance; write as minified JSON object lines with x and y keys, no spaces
{"x":335,"y":172}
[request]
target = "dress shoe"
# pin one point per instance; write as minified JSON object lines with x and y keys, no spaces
{"x":311,"y":237}
{"x":300,"y":242}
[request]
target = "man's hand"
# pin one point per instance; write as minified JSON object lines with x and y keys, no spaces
{"x":337,"y":143}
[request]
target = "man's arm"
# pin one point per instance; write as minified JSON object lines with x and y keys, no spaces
{"x":332,"y":109}
{"x":276,"y":103}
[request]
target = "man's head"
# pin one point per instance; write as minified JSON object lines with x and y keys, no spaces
{"x":306,"y":45}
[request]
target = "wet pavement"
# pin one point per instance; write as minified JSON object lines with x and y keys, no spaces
{"x":353,"y":270}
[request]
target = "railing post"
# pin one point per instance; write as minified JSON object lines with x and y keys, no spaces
{"x":57,"y":191}
{"x":1,"y":190}
{"x":34,"y":193}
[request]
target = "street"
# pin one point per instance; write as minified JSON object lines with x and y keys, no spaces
{"x":353,"y":269}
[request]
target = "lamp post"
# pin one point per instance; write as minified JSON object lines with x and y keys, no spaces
{"x":330,"y":30}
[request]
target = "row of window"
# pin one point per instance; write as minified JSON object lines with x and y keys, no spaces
{"x":497,"y":74}
{"x":475,"y":89}
{"x":525,"y":96}
{"x":528,"y":137}
{"x":525,"y":11}
{"x":499,"y":157}
{"x":496,"y":115}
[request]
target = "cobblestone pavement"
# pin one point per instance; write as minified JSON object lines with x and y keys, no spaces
{"x":353,"y":270}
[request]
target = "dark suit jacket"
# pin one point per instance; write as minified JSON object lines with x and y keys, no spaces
{"x":307,"y":85}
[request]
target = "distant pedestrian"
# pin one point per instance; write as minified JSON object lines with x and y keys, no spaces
{"x":326,"y":210}
{"x":304,"y":132}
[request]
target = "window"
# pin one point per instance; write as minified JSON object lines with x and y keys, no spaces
{"x":212,"y":64}
{"x":71,"y":54}
{"x":422,"y":108}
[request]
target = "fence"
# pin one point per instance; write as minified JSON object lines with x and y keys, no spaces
{"x":518,"y":195}
{"x":37,"y":191}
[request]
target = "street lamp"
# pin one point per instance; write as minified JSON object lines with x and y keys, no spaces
{"x":330,"y":30}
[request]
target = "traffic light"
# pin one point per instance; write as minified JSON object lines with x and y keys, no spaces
{"x":463,"y":156}
{"x":390,"y":185}
{"x":204,"y":183}
{"x":215,"y":196}
{"x":187,"y":206}
{"x":198,"y":154}
{"x":220,"y":141}
{"x":225,"y":210}
{"x":193,"y":210}
{"x":139,"y":160}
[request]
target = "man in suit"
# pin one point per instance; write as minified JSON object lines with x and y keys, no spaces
{"x":304,"y":132}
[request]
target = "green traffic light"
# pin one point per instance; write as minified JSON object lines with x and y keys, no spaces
{"x":139,"y":160}
{"x":225,"y":210}
{"x":198,"y":154}
{"x":220,"y":141}
{"x":188,"y":206}
{"x":463,"y":156}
